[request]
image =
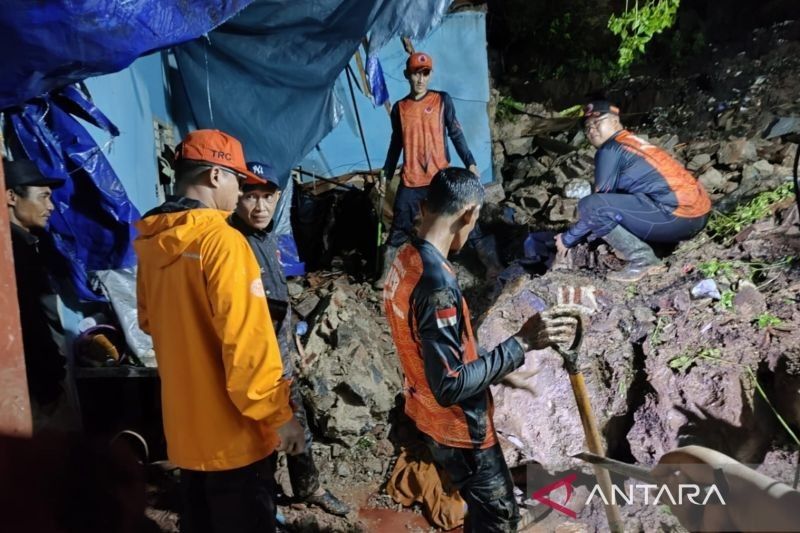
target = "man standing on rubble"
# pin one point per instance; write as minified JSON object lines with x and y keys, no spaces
{"x":421,"y":123}
{"x":640,"y":194}
{"x":225,"y":403}
{"x":447,"y":381}
{"x":28,"y":194}
{"x":253,"y":218}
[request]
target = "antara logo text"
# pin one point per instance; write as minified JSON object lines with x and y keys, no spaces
{"x":646,"y":493}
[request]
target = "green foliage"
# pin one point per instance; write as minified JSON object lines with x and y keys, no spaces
{"x":711,"y":268}
{"x":766,"y":320}
{"x":726,"y":299}
{"x":727,"y":226}
{"x":655,"y":337}
{"x":630,"y":292}
{"x":637,"y":26}
{"x":364,"y":443}
{"x":683,"y":362}
{"x":507,"y":107}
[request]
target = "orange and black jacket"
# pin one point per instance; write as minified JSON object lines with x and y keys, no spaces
{"x":201,"y":298}
{"x":627,"y":164}
{"x":446,"y":380}
{"x":420,"y":129}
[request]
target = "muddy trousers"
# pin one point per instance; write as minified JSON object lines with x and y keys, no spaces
{"x":229,"y":501}
{"x":639,"y":214}
{"x":303,"y":473}
{"x":484,"y":481}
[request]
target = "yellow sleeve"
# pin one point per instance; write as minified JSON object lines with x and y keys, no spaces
{"x":250,"y":354}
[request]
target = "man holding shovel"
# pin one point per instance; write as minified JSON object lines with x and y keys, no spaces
{"x":446,"y":381}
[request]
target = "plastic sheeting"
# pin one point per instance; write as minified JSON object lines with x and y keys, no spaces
{"x":119,"y":286}
{"x":267,"y":75}
{"x":92,"y":225}
{"x":53,"y":43}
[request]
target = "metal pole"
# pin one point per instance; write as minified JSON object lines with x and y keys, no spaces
{"x":358,"y":116}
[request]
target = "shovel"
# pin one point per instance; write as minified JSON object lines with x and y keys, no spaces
{"x":589,"y":422}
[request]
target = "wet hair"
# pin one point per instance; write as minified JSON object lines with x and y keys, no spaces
{"x":452,"y":189}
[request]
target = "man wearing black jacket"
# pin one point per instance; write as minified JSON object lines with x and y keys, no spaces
{"x":253,"y":218}
{"x":447,"y":380}
{"x":28,"y":194}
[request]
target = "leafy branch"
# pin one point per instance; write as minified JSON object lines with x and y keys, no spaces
{"x":636,"y":27}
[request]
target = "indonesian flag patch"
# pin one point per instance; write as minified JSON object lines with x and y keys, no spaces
{"x":446,"y":317}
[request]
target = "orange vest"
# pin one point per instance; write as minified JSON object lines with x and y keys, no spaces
{"x":424,"y":151}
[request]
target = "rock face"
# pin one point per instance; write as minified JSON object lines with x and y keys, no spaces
{"x":350,"y":367}
{"x":546,"y":427}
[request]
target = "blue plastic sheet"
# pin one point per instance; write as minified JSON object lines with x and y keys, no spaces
{"x":49,"y":44}
{"x":377,"y":83}
{"x":267,"y":75}
{"x":92,"y":225}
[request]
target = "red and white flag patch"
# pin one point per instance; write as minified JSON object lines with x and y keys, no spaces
{"x":446,"y":317}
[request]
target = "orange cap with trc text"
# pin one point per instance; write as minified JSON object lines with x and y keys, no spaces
{"x":216,"y":148}
{"x":419,"y":61}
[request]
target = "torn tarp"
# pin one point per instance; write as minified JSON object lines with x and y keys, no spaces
{"x":267,"y":75}
{"x":53,"y":43}
{"x":92,"y":225}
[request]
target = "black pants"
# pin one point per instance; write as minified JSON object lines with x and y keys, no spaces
{"x":484,"y":481}
{"x":406,"y":209}
{"x":229,"y":501}
{"x":638,"y":214}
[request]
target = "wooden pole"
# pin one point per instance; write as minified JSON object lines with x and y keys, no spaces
{"x":15,"y":407}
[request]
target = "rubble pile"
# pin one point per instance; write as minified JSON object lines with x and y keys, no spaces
{"x":712,"y":123}
{"x":349,"y":375}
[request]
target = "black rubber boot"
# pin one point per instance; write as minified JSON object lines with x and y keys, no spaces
{"x":388,"y":258}
{"x":641,"y":259}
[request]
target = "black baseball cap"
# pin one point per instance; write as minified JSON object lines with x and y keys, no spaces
{"x":24,"y":172}
{"x":598,"y":108}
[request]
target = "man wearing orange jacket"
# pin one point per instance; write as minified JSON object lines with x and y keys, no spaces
{"x":225,"y":405}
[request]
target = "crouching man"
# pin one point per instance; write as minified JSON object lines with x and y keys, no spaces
{"x":641,"y":194}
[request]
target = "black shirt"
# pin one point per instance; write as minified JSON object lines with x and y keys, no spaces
{"x":42,"y":333}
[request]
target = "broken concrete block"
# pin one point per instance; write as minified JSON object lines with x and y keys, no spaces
{"x":563,"y":210}
{"x":698,"y":162}
{"x":518,"y":146}
{"x":712,"y":179}
{"x":737,"y":152}
{"x":764,"y":168}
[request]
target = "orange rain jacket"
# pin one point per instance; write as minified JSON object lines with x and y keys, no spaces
{"x":200,"y":297}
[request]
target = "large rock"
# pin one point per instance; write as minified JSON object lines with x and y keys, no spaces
{"x":563,"y":210}
{"x":520,"y":146}
{"x":350,"y":366}
{"x":546,"y":428}
{"x":713,"y":180}
{"x":737,"y":152}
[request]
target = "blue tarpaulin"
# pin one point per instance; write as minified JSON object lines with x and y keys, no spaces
{"x":92,"y":225}
{"x":49,"y":46}
{"x":267,"y":75}
{"x":52,"y":43}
